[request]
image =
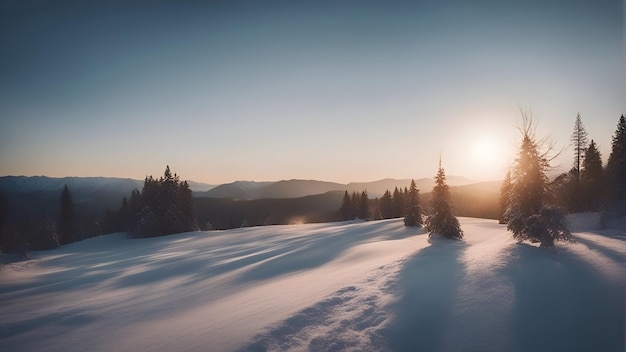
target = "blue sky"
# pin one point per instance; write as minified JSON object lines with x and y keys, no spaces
{"x":339,"y":91}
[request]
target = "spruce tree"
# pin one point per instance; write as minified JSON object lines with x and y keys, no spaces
{"x":356,"y":198}
{"x":164,"y":207}
{"x":441,"y":220}
{"x":579,"y":140}
{"x":345,"y":212}
{"x":616,"y":166}
{"x":67,"y":221}
{"x":413,"y":215}
{"x":386,"y":205}
{"x":185,"y":200}
{"x":528,"y":215}
{"x":363,"y":209}
{"x":591,"y":178}
{"x":399,"y":206}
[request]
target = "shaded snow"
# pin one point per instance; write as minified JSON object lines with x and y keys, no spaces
{"x":326,"y":287}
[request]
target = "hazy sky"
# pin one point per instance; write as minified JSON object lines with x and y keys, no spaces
{"x":338,"y":91}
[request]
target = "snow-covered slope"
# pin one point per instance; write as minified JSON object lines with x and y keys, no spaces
{"x":332,"y":287}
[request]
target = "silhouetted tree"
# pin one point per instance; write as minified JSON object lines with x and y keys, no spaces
{"x":413,"y":215}
{"x":185,"y":199}
{"x":386,"y":205}
{"x":147,"y":224}
{"x":441,"y":220}
{"x":591,"y":178}
{"x":399,"y":204}
{"x":363,"y":210}
{"x":109,"y":222}
{"x":356,"y":198}
{"x":67,"y":221}
{"x":528,"y":215}
{"x":164,"y":206}
{"x":345,"y":212}
{"x":616,"y":165}
{"x":579,"y":140}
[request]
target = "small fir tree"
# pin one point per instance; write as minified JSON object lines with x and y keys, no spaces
{"x":363,"y":209}
{"x":441,"y":220}
{"x":413,"y":215}
{"x":67,"y":221}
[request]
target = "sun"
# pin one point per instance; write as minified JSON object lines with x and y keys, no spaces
{"x":484,"y":150}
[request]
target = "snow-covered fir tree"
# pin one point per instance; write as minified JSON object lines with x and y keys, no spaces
{"x":528,"y":215}
{"x":441,"y":221}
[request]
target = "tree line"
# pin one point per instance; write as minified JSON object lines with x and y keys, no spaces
{"x":163,"y":207}
{"x":533,"y":207}
{"x":406,"y":204}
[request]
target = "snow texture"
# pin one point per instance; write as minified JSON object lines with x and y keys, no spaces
{"x":350,"y":286}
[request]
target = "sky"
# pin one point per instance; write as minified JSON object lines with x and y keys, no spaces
{"x":338,"y":91}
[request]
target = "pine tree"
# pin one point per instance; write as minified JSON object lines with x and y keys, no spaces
{"x":185,"y":200}
{"x":616,"y":166}
{"x":67,"y":221}
{"x":579,"y":140}
{"x":386,"y":205}
{"x":356,"y":198}
{"x":167,"y":202}
{"x":363,"y":209}
{"x":413,"y":215}
{"x":441,"y":220}
{"x":345,"y":212}
{"x":147,"y":224}
{"x":528,"y":215}
{"x":109,"y":221}
{"x":591,"y":178}
{"x":399,"y":205}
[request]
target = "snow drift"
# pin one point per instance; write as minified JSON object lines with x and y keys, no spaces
{"x":332,"y":287}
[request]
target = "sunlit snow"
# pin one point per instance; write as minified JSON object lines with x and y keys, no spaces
{"x":332,"y":287}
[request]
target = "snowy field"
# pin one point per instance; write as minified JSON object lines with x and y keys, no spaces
{"x":362,"y":286}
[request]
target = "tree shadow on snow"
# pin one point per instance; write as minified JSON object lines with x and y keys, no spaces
{"x":427,"y":288}
{"x":318,"y":249}
{"x":562,"y":303}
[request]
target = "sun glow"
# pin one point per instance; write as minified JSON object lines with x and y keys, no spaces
{"x":484,"y":150}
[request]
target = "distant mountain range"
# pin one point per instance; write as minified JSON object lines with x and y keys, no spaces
{"x":247,"y":190}
{"x":26,"y":197}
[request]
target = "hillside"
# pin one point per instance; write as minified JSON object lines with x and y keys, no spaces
{"x":367,"y":286}
{"x":246,"y":190}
